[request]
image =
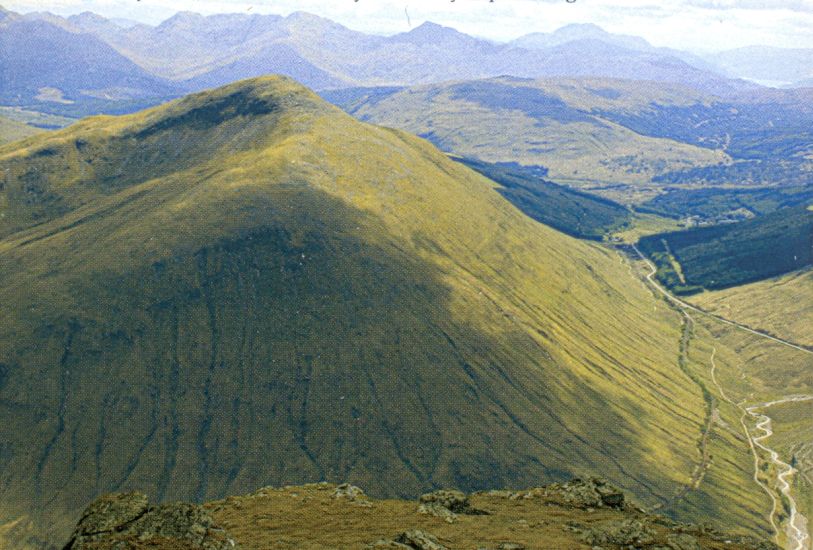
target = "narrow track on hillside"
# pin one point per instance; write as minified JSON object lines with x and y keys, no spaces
{"x":685,"y":305}
{"x":798,"y":537}
{"x":700,"y":469}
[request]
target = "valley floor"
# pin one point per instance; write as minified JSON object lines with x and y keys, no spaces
{"x":781,"y":474}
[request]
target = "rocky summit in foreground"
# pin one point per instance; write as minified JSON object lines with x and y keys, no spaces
{"x":583,"y":513}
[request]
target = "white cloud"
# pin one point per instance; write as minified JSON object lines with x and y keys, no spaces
{"x":686,"y":24}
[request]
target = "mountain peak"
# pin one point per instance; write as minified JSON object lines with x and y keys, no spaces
{"x":88,"y":15}
{"x":304,"y":17}
{"x":88,"y":18}
{"x":429,"y":25}
{"x":433,"y":33}
{"x":182,"y":18}
{"x":577,"y":32}
{"x":432,"y":29}
{"x":251,"y":97}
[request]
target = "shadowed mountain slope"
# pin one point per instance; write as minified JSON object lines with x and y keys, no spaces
{"x":577,"y":214}
{"x":249,"y":287}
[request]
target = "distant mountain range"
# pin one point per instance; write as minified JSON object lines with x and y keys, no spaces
{"x":581,"y":32}
{"x":34,"y":56}
{"x":123,"y":60}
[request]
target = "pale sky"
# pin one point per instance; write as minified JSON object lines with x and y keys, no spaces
{"x":684,"y":24}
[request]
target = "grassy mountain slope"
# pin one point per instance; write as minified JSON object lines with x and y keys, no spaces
{"x":779,"y":306}
{"x":728,"y":255}
{"x":577,"y":214}
{"x":247,"y":287}
{"x":737,"y":368}
{"x":627,"y":140}
{"x":11,"y":130}
{"x":547,"y":123}
{"x":766,"y":132}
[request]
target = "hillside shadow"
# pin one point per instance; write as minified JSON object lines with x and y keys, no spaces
{"x":306,"y":345}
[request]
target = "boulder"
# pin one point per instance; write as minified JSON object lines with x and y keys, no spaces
{"x":350,"y":492}
{"x":388,"y":545}
{"x":586,"y":493}
{"x":455,"y":501}
{"x":447,"y":504}
{"x":627,"y":532}
{"x":109,"y":512}
{"x":439,"y":511}
{"x":419,"y":540}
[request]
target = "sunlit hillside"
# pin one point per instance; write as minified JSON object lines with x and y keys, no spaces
{"x":249,"y":287}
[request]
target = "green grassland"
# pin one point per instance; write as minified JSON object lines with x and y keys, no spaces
{"x":780,"y":306}
{"x":728,"y":255}
{"x":37,"y":119}
{"x":248,"y":287}
{"x":550,"y":123}
{"x":642,"y":224}
{"x":11,"y":130}
{"x":736,"y":368}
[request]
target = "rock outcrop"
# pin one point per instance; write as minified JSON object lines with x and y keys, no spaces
{"x":582,"y":513}
{"x":580,"y":493}
{"x":128,"y":522}
{"x":447,"y":504}
{"x":410,"y":540}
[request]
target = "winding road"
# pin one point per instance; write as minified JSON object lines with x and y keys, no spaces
{"x":796,"y":529}
{"x":685,"y":305}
